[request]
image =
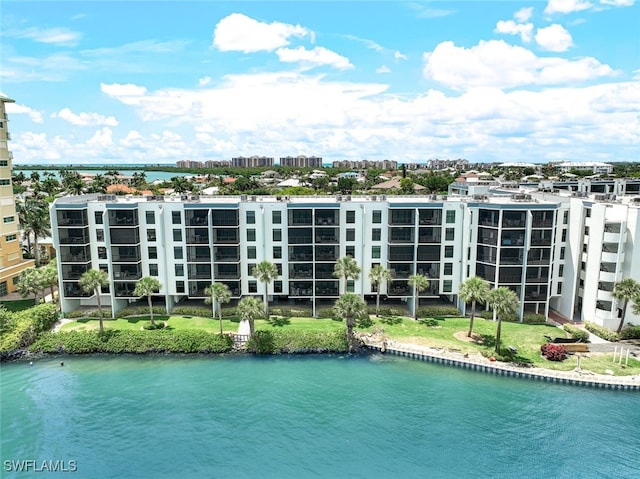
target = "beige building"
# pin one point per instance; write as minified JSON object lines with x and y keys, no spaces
{"x":11,"y":261}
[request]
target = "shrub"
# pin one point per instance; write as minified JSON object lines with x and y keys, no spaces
{"x":534,"y":318}
{"x":576,"y":333}
{"x":290,"y":311}
{"x":140,"y":311}
{"x":261,"y":342}
{"x":89,"y":313}
{"x":199,"y":311}
{"x":393,"y":311}
{"x":365,"y":322}
{"x":630,"y":332}
{"x":601,"y":331}
{"x":23,"y":327}
{"x":153,"y":326}
{"x":139,"y":342}
{"x":325,"y":313}
{"x":554,"y":352}
{"x":511,"y":318}
{"x":429,"y":322}
{"x":438,"y":311}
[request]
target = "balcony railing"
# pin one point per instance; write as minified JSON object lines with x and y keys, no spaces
{"x":74,"y":240}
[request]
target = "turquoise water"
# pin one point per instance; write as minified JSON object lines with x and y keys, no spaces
{"x":149,"y":175}
{"x":298,"y":417}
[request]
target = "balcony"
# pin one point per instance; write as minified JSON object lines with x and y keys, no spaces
{"x":125,"y":254}
{"x":226,"y":236}
{"x":300,"y":236}
{"x":301,"y":289}
{"x":74,"y":254}
{"x":226,"y":271}
{"x":511,"y":257}
{"x":606,"y":286}
{"x":399,"y":288}
{"x":124,"y":236}
{"x":73,"y":274}
{"x":326,"y":253}
{"x":401,"y":235}
{"x":199,"y":236}
{"x":301,"y":272}
{"x":327,"y":235}
{"x":324,"y":217}
{"x":510,"y":239}
{"x":327,"y":288}
{"x":301,"y":253}
{"x":196,"y":218}
{"x":429,"y":235}
{"x":123,"y":218}
{"x":74,"y":291}
{"x":513,"y":219}
{"x":72,"y":218}
{"x":430,"y":217}
{"x":611,"y":257}
{"x":198,"y":254}
{"x":124,"y":289}
{"x":400,"y":271}
{"x":401,"y":217}
{"x":74,"y":239}
{"x":126,"y":274}
{"x":226,"y":254}
{"x":300,"y":218}
{"x":224,"y":218}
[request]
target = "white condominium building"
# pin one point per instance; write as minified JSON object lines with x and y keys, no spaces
{"x":560,"y":252}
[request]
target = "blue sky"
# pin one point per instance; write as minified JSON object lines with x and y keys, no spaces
{"x":161,"y":81}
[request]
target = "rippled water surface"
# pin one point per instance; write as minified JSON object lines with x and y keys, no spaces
{"x":297,"y":417}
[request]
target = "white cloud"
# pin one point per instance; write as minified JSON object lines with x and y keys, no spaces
{"x":142,"y":46}
{"x":618,"y":3}
{"x":102,"y":138}
{"x":523,"y":14}
{"x":238,"y":32}
{"x":383,"y":69}
{"x":56,"y":36}
{"x":399,"y":56}
{"x":16,"y":108}
{"x":509,"y":27}
{"x":566,"y":6}
{"x":368,"y":43}
{"x":51,"y":68}
{"x":204,"y":81}
{"x":85,"y":119}
{"x":554,"y":38}
{"x":498,"y":64}
{"x":319,"y":56}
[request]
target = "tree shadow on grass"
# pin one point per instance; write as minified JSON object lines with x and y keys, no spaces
{"x":278,"y":321}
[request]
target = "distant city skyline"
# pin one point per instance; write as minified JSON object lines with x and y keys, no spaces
{"x":161,"y":82}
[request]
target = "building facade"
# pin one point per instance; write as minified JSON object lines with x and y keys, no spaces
{"x":559,"y":253}
{"x":251,"y":162}
{"x":302,"y":161}
{"x":11,"y":260}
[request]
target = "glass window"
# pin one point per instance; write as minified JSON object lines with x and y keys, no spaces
{"x":351,"y":234}
{"x":277,"y":235}
{"x":153,"y":252}
{"x":565,"y":217}
{"x":449,"y":233}
{"x":586,"y":231}
{"x":447,"y":286}
{"x":179,"y":270}
{"x":451,"y":216}
{"x":153,"y":269}
{"x":251,"y":234}
{"x":8,"y":219}
{"x":98,"y":217}
{"x":253,"y":286}
{"x":561,"y":270}
{"x":588,"y":212}
{"x":250,"y":267}
{"x":564,"y":235}
{"x":351,"y":216}
{"x":277,"y":252}
{"x":100,"y":235}
{"x":448,"y":269}
{"x":175,"y":217}
{"x":10,"y":238}
{"x":448,"y":251}
{"x":178,"y":252}
{"x":177,"y":235}
{"x":377,"y":216}
{"x":562,"y":251}
{"x":251,"y":217}
{"x":375,"y":252}
{"x":351,"y":251}
{"x":151,"y":234}
{"x":350,"y":286}
{"x":251,"y":252}
{"x":151,"y":217}
{"x":559,"y":288}
{"x":102,"y":252}
{"x":179,"y":286}
{"x":277,"y":286}
{"x":376,"y":234}
{"x":276,"y":217}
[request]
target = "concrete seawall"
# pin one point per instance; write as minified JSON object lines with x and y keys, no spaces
{"x":482,"y":364}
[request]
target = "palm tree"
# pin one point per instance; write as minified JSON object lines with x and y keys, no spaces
{"x":377,"y":276}
{"x":249,"y":309}
{"x":146,"y":287}
{"x":625,"y":290}
{"x":265,"y":272}
{"x":474,"y":290}
{"x":503,"y":301}
{"x":419,"y":283}
{"x":350,"y":307}
{"x":50,"y":276}
{"x":92,"y":282}
{"x":346,"y":267}
{"x":35,"y":215}
{"x":31,"y":281}
{"x":217,"y":294}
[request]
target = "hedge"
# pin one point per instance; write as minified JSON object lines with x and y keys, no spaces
{"x":291,"y":341}
{"x":601,"y":331}
{"x":630,"y":332}
{"x":200,"y":311}
{"x":138,"y":342}
{"x":438,"y":311}
{"x":89,"y":313}
{"x":140,"y":311}
{"x":510,"y":318}
{"x":576,"y":333}
{"x":24,"y":326}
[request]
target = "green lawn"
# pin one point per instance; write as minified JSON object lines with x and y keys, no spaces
{"x":18,"y":304}
{"x":527,"y":338}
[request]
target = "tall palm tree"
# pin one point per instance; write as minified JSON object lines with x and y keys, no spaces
{"x":92,"y":282}
{"x":249,"y":309}
{"x":50,"y":273}
{"x":473,"y":290}
{"x":146,"y":287}
{"x":419,"y":283}
{"x":217,"y":294}
{"x":625,"y":290}
{"x":503,"y":301}
{"x":265,"y":272}
{"x":35,"y":215}
{"x":377,"y":276}
{"x":350,"y":307}
{"x":346,"y":267}
{"x":31,"y":281}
